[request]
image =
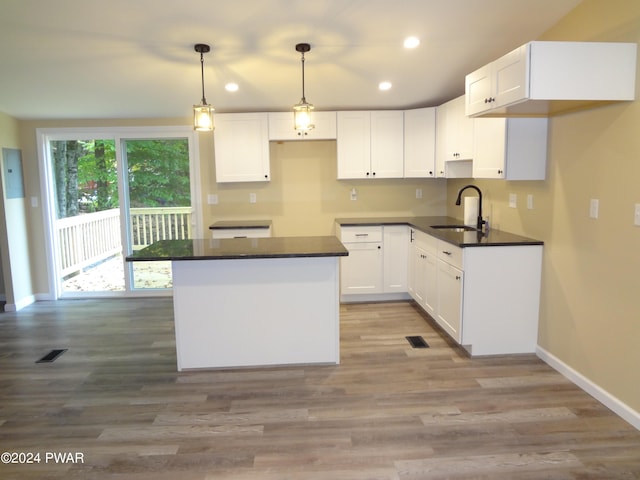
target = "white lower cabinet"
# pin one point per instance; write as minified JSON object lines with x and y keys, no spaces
{"x":361,"y":270}
{"x":485,"y":298}
{"x":377,"y":261}
{"x":449,"y":299}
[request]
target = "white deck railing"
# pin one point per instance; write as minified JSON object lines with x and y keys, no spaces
{"x":90,"y":238}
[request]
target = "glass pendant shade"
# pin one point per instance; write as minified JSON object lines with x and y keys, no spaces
{"x":203,"y":118}
{"x":302,"y":116}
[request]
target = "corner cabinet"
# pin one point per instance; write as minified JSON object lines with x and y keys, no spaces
{"x":281,"y":127}
{"x":370,"y":144}
{"x":420,"y":143}
{"x":510,"y":148}
{"x":544,"y":78}
{"x":241,"y":143}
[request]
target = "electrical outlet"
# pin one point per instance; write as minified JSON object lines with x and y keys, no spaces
{"x":418,"y":193}
{"x":513,"y":200}
{"x":594,"y":206}
{"x":636,"y":215}
{"x":354,"y":194}
{"x":252,"y":198}
{"x":212,"y":199}
{"x":530,"y":202}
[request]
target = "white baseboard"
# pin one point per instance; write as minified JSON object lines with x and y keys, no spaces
{"x":617,"y":406}
{"x":19,"y":305}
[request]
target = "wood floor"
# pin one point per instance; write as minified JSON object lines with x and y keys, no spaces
{"x":115,"y":402}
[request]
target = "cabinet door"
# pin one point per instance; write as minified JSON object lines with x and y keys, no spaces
{"x":387,"y":144}
{"x":430,"y":274}
{"x":396,"y":252}
{"x":489,"y":154}
{"x":441,"y":140}
{"x":511,"y":77}
{"x":361,"y":270}
{"x":241,"y":142}
{"x":281,"y":127}
{"x":464,"y":132}
{"x":450,"y":282}
{"x":454,"y":133}
{"x":478,"y":89}
{"x":420,"y":143}
{"x":354,"y":144}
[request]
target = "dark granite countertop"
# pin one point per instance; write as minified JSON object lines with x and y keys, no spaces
{"x":492,"y":238}
{"x":241,"y":248}
{"x":230,"y":224}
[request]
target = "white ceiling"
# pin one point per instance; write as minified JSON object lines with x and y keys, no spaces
{"x":64,"y":59}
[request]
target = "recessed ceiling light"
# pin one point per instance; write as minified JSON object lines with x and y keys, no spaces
{"x":384,"y":85}
{"x":411,"y":42}
{"x":231,"y":87}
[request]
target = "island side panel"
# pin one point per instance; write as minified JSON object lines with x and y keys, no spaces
{"x":253,"y":312}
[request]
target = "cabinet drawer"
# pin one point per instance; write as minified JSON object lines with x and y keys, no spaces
{"x":450,"y":254}
{"x":361,"y":234}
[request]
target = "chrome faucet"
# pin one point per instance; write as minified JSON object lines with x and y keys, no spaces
{"x":480,"y":220}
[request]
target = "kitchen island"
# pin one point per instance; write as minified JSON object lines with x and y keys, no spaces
{"x":244,"y":302}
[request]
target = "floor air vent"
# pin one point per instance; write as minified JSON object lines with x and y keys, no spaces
{"x":417,"y":342}
{"x":51,"y":356}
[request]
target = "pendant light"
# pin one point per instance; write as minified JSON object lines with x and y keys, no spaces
{"x":302,"y":110}
{"x":203,"y":113}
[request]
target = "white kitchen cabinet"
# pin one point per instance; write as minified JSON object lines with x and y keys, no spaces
{"x":449,"y":299}
{"x":370,"y":144}
{"x":281,"y":127}
{"x":423,"y":271}
{"x":361,"y":272}
{"x":499,"y":83}
{"x":544,"y":78}
{"x":241,"y":142}
{"x":454,"y":138}
{"x":510,"y":148}
{"x":420,"y":143}
{"x":395,"y":254}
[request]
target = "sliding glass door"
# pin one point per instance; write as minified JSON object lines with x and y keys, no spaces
{"x":109,"y":194}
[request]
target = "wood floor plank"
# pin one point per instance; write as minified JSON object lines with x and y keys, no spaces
{"x":387,"y":412}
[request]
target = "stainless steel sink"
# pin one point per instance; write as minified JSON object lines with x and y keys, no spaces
{"x":454,"y":228}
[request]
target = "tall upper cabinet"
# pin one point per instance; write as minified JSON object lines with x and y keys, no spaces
{"x":419,"y":143}
{"x":241,"y":142}
{"x":544,"y":78}
{"x":454,"y":138}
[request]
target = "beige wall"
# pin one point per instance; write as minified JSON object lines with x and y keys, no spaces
{"x":304,"y":196}
{"x":590,"y":318}
{"x":14,"y":254}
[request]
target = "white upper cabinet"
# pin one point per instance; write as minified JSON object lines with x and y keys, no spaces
{"x":454,"y":139}
{"x":497,"y":84}
{"x":370,"y":144}
{"x":544,"y":78}
{"x":281,"y":127}
{"x":510,"y":148}
{"x":420,"y":143}
{"x":241,"y":142}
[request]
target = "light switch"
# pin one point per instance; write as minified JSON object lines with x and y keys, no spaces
{"x":530,"y":202}
{"x":212,"y":199}
{"x":594,"y":206}
{"x":513,"y":200}
{"x":418,"y":193}
{"x":252,"y":198}
{"x":636,"y":215}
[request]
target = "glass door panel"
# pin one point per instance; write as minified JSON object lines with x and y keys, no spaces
{"x":87,"y":216}
{"x":159,"y":201}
